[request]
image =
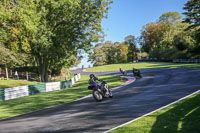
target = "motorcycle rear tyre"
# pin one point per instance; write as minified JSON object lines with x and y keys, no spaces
{"x":97,"y":96}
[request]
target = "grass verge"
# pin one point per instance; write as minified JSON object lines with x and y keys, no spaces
{"x":36,"y":102}
{"x":15,"y":83}
{"x":183,"y":117}
{"x":142,"y":65}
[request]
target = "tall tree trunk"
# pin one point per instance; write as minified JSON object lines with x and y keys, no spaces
{"x":132,"y":59}
{"x":27,"y":76}
{"x":43,"y":69}
{"x":7,"y":73}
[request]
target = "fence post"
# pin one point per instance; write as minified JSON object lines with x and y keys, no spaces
{"x":27,"y":76}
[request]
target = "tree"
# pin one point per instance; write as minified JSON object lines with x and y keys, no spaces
{"x":98,"y":56}
{"x":104,"y":53}
{"x":163,"y":53}
{"x":192,"y":15}
{"x":160,"y":39}
{"x":111,"y":50}
{"x":185,"y":41}
{"x":132,"y":50}
{"x":172,"y":17}
{"x":192,"y":8}
{"x":53,"y":31}
{"x":109,"y":53}
{"x":8,"y":58}
{"x":151,"y":35}
{"x":123,"y":53}
{"x":172,"y":20}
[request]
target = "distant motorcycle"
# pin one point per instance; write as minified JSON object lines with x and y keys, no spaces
{"x":136,"y":73}
{"x":122,"y":71}
{"x":100,"y":91}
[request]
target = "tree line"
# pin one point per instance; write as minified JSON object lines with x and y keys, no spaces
{"x":48,"y":34}
{"x":117,"y":52}
{"x":171,"y":37}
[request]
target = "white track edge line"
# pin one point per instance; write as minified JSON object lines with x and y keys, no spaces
{"x":153,"y":111}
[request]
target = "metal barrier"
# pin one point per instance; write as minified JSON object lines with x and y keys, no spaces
{"x":175,"y":60}
{"x":186,"y":61}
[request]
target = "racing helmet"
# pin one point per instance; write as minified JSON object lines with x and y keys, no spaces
{"x":92,"y":76}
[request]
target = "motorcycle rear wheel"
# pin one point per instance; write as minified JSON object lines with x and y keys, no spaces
{"x":97,"y":96}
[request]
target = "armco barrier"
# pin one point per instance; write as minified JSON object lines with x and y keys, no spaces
{"x":1,"y":94}
{"x":186,"y":61}
{"x":65,"y":84}
{"x":21,"y":91}
{"x":34,"y":89}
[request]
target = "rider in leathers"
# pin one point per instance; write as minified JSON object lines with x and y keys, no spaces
{"x":93,"y":80}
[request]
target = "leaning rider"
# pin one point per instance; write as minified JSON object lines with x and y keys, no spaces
{"x":122,"y":71}
{"x":93,"y":80}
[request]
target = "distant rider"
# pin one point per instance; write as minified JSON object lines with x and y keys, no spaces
{"x":122,"y":71}
{"x":134,"y":69}
{"x":136,"y":72}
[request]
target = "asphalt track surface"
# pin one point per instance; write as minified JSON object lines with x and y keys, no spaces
{"x":157,"y":88}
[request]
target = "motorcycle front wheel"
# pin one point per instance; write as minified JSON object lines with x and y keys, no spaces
{"x":97,"y":96}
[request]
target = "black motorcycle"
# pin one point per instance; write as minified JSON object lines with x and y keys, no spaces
{"x":100,"y":90}
{"x":137,"y":73}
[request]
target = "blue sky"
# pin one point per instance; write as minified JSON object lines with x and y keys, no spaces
{"x":126,"y":17}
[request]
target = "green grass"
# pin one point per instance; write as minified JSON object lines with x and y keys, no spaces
{"x":15,"y":83}
{"x":35,"y":102}
{"x":183,"y":117}
{"x":142,"y":65}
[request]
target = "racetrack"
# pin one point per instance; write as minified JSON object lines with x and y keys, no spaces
{"x":157,"y":88}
